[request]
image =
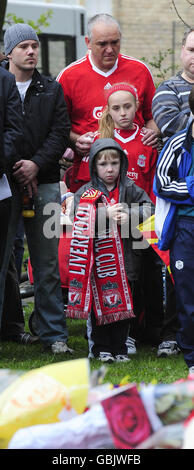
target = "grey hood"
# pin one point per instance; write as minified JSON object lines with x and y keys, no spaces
{"x":103,"y":144}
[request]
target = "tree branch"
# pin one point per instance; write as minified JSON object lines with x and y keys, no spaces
{"x":184,"y":22}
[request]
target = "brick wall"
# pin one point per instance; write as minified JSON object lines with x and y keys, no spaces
{"x":150,"y":26}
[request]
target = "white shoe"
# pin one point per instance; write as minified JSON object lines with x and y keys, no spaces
{"x":168,"y":348}
{"x":122,"y":358}
{"x":59,"y":347}
{"x":106,"y":357}
{"x":131,"y":347}
{"x":191,"y":370}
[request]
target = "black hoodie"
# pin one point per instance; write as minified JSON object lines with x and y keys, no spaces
{"x":129,"y":193}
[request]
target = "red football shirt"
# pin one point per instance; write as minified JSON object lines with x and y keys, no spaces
{"x":142,"y":158}
{"x":84,"y":88}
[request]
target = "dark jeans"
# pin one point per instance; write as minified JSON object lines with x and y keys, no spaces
{"x":12,"y":316}
{"x":19,"y":247}
{"x":43,"y":249}
{"x":182,"y":267}
{"x":147,"y":295}
{"x":5,"y":211}
{"x":171,"y":323}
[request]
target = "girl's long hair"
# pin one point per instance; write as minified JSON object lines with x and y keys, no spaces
{"x":106,"y":125}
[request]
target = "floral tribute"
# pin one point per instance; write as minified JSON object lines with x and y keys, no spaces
{"x":127,"y":418}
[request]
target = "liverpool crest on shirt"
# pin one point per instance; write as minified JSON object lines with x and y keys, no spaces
{"x":141,"y":160}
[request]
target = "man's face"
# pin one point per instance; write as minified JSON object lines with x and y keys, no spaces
{"x":24,"y":56}
{"x":104,"y":45}
{"x":187,"y":57}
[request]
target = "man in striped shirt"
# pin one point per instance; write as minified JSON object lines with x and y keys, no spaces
{"x":170,"y":107}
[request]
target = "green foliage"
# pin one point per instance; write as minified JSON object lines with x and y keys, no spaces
{"x":42,"y":21}
{"x":160,"y":65}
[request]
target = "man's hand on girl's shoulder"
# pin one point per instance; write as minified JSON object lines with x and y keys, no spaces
{"x":150,"y":137}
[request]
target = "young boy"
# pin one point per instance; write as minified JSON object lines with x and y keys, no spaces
{"x":174,"y":188}
{"x":101,"y":253}
{"x":118,"y":122}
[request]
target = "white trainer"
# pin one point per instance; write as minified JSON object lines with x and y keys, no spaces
{"x":59,"y":347}
{"x":122,"y":358}
{"x":106,"y":357}
{"x":191,"y":370}
{"x":131,"y":347}
{"x":168,"y":348}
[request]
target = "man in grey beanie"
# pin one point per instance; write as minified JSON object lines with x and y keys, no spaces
{"x":45,"y":138}
{"x":21,"y":46}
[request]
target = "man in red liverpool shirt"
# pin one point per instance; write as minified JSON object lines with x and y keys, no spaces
{"x":85,"y":80}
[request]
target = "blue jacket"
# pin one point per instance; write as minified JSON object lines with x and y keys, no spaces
{"x":172,"y":184}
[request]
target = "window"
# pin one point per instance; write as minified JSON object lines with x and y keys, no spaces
{"x":56,"y":52}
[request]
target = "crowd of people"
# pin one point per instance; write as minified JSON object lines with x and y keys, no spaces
{"x":105,"y":108}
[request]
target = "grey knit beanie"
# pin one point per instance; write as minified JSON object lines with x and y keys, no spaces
{"x":17,"y":33}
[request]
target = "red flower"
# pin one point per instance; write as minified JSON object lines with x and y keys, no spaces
{"x":127,"y":419}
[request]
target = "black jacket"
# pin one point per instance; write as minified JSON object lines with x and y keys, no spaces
{"x":136,"y":200}
{"x":46,"y":126}
{"x":10,"y":121}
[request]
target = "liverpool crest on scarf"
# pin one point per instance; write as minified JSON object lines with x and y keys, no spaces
{"x":96,"y":267}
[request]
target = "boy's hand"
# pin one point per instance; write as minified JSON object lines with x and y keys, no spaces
{"x":112,"y":211}
{"x":116,"y":212}
{"x":122,"y":218}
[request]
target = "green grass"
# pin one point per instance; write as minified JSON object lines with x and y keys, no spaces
{"x":143,"y":367}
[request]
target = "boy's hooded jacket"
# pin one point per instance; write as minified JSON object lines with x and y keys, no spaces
{"x":129,"y":193}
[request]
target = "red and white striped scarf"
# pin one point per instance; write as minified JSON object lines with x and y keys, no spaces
{"x":96,"y":267}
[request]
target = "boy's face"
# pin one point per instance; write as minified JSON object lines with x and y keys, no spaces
{"x":108,"y":169}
